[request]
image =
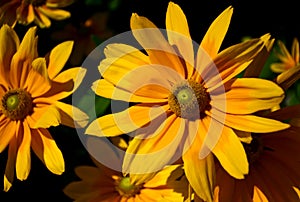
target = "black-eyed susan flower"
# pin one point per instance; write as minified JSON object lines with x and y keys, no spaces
{"x":187,"y":103}
{"x":287,"y":59}
{"x":37,"y":11}
{"x":273,"y":170}
{"x":101,"y":183}
{"x":30,"y":90}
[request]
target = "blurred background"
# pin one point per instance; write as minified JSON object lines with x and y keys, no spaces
{"x":94,"y":21}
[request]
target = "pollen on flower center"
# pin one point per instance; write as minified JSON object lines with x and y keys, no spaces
{"x":125,"y":188}
{"x":16,"y":104}
{"x":254,"y":149}
{"x":188,"y":99}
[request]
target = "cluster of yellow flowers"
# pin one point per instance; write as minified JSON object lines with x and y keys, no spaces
{"x":201,"y":124}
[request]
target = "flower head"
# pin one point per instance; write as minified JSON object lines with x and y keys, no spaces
{"x":100,"y":183}
{"x":30,"y":90}
{"x":37,"y":11}
{"x":186,"y":104}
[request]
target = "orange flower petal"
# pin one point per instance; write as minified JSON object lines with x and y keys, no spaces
{"x":215,"y":35}
{"x":154,"y":147}
{"x":22,"y":60}
{"x":36,"y":84}
{"x":7,"y":131}
{"x":156,"y":45}
{"x":10,"y":165}
{"x":46,"y":149}
{"x":125,"y":121}
{"x":23,"y":161}
{"x":106,"y":89}
{"x":71,"y":116}
{"x":9,"y":44}
{"x":56,"y":14}
{"x":179,"y":35}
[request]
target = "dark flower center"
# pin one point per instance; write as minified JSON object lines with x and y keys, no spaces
{"x":254,"y":149}
{"x":189,"y":99}
{"x":125,"y":188}
{"x":16,"y":104}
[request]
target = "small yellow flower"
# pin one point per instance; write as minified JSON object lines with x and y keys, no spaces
{"x":30,"y":90}
{"x":188,"y":103}
{"x":37,"y":11}
{"x":103,"y":184}
{"x":288,"y":60}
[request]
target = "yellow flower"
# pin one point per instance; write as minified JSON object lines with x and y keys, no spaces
{"x":30,"y":90}
{"x":37,"y":11}
{"x":187,"y":103}
{"x":288,"y":60}
{"x":273,"y":170}
{"x":104,"y":184}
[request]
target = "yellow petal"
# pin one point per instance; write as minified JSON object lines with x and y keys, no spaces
{"x":36,"y":84}
{"x":71,"y":116}
{"x":65,"y":83}
{"x":156,"y":45}
{"x":248,"y":95}
{"x":258,"y":195}
{"x":179,"y":35}
{"x":200,"y":173}
{"x":9,"y":41}
{"x":23,"y":161}
{"x":288,"y":77}
{"x":154,"y":147}
{"x":39,"y":65}
{"x":215,"y":35}
{"x":231,"y":154}
{"x":249,"y":123}
{"x":10,"y":165}
{"x":125,"y":121}
{"x":46,"y":149}
{"x":50,"y":117}
{"x":58,"y":57}
{"x":56,"y":14}
{"x":41,"y":20}
{"x":106,"y":89}
{"x":7,"y":131}
{"x":278,"y":67}
{"x":22,"y":60}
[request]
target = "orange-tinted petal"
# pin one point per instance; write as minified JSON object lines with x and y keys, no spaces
{"x":125,"y":121}
{"x":154,"y":146}
{"x":106,"y":89}
{"x":7,"y":131}
{"x":179,"y":35}
{"x":23,"y":161}
{"x":46,"y":149}
{"x":9,"y":44}
{"x":10,"y":164}
{"x":22,"y":60}
{"x":248,"y":95}
{"x":36,"y":84}
{"x":156,"y":45}
{"x":215,"y":35}
{"x":72,"y":116}
{"x":56,"y":14}
{"x":58,"y":57}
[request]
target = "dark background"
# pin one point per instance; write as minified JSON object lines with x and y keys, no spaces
{"x":250,"y":18}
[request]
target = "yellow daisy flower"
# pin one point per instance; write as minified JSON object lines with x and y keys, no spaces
{"x":37,"y":11}
{"x":30,"y":90}
{"x":287,"y":60}
{"x":102,"y":184}
{"x":187,"y":103}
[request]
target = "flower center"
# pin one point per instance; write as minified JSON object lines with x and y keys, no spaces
{"x":16,"y":104}
{"x":36,"y":2}
{"x":188,"y":99}
{"x":254,"y":149}
{"x":125,"y":188}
